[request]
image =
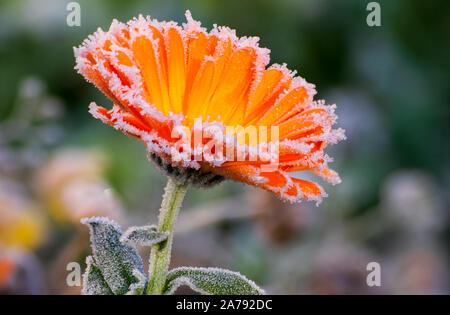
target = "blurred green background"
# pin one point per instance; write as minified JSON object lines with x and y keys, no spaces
{"x":391,"y":87}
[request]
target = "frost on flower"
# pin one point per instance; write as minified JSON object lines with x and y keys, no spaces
{"x":161,"y":77}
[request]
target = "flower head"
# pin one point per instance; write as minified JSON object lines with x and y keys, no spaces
{"x":170,"y":83}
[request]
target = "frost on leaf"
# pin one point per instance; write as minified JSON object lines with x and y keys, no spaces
{"x":93,"y":281}
{"x":143,"y":235}
{"x":213,"y":281}
{"x":139,"y":287}
{"x":116,"y":261}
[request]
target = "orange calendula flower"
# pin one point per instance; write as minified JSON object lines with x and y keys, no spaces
{"x":174,"y":84}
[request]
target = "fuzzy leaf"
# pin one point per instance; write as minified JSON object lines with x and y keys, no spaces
{"x":139,"y":287}
{"x":143,"y":235}
{"x":116,"y":260}
{"x":93,"y":281}
{"x":214,"y":281}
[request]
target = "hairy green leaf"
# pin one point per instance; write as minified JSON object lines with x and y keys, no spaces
{"x":143,"y":235}
{"x":93,"y":281}
{"x":116,"y":260}
{"x":139,"y":287}
{"x":214,"y":281}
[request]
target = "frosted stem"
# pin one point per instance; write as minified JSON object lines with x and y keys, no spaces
{"x":160,"y":254}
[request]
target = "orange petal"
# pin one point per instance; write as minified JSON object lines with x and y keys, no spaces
{"x":269,"y":82}
{"x":285,"y":105}
{"x":157,"y":35}
{"x":176,"y":69}
{"x":310,"y":190}
{"x":234,"y":82}
{"x":197,"y":49}
{"x":275,"y":180}
{"x":146,"y":56}
{"x":201,"y":90}
{"x":91,"y":73}
{"x":329,"y":175}
{"x":295,"y":128}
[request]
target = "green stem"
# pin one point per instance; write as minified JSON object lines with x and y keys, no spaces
{"x":160,"y":254}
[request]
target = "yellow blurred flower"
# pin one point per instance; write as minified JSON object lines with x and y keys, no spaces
{"x":72,"y":186}
{"x":21,"y":225}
